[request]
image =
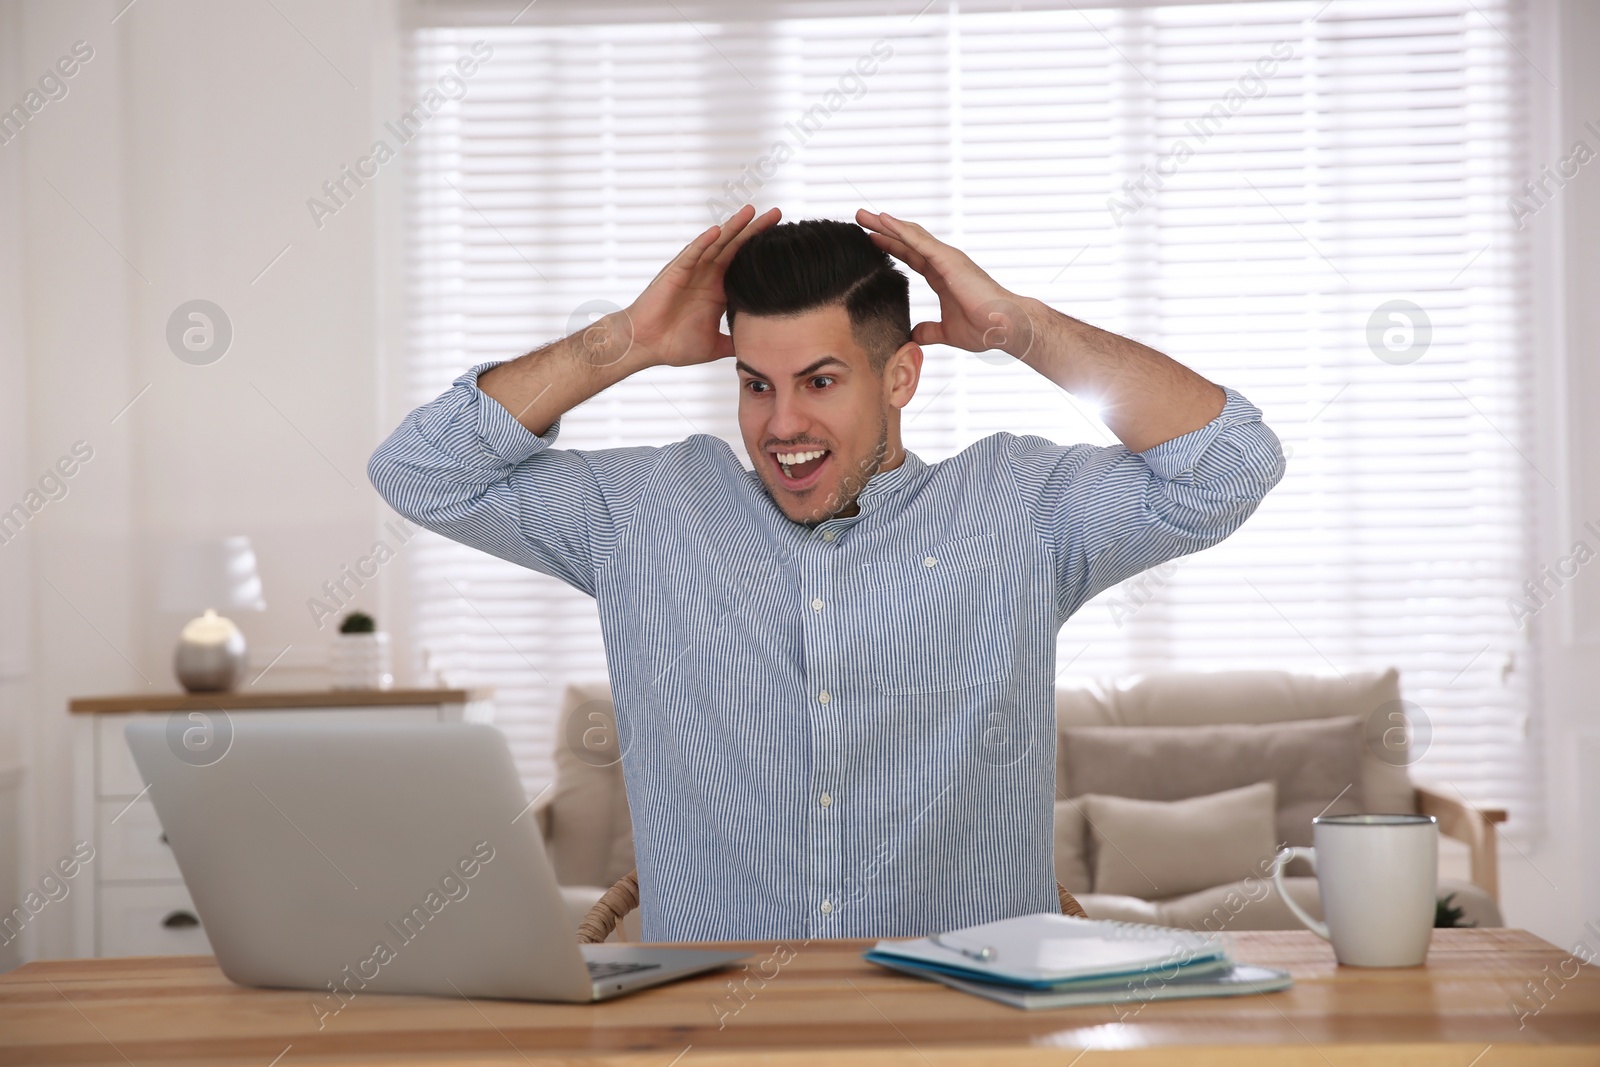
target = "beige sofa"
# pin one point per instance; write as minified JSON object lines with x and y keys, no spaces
{"x":584,"y":817}
{"x":1242,"y":706}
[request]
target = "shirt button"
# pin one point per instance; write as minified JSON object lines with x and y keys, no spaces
{"x":825,"y":800}
{"x":823,"y":697}
{"x":816,"y":605}
{"x":827,"y":907}
{"x":827,"y":535}
{"x":930,"y":562}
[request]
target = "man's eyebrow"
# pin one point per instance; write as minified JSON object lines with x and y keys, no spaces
{"x":740,"y":364}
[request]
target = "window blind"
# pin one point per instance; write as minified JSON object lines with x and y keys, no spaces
{"x":1305,"y":201}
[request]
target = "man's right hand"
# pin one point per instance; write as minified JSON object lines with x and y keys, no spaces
{"x":677,"y":320}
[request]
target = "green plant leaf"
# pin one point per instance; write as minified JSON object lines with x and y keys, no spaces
{"x":1445,"y":915}
{"x":358,"y":622}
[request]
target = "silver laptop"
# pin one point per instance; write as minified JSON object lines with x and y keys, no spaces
{"x":350,"y":858}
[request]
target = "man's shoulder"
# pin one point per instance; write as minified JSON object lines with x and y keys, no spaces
{"x":1031,"y":466}
{"x":702,"y":448}
{"x":696,"y":448}
{"x":699,"y":460}
{"x":985,"y":452}
{"x":1028,"y":448}
{"x":690,"y":467}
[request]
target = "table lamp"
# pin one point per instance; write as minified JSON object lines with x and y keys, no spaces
{"x":210,"y":577}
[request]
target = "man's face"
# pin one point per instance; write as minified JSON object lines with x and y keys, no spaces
{"x":817,"y":419}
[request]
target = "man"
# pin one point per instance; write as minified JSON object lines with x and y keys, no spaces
{"x":834,"y":675}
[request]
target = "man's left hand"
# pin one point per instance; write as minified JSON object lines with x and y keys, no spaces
{"x":1144,"y":397}
{"x":976,"y":313}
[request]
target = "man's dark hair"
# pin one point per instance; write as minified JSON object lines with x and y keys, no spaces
{"x":798,"y":266}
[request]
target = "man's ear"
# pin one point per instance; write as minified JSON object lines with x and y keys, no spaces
{"x":902,"y":373}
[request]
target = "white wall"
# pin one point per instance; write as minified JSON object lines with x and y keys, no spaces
{"x":178,"y":166}
{"x":1552,"y":885}
{"x":15,"y":561}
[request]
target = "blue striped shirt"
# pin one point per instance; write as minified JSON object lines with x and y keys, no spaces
{"x":845,"y":730}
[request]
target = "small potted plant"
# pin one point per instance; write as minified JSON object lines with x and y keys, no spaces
{"x":361,"y":654}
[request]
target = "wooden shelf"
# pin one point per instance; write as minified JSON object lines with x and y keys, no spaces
{"x":277,"y":700}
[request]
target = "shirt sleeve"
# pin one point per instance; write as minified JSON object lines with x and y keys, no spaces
{"x":1107,"y":513}
{"x":464,"y":467}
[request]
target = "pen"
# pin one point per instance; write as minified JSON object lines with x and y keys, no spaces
{"x":982,"y":955}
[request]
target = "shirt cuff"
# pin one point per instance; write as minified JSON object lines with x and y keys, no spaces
{"x":1172,"y":459}
{"x":501,"y":437}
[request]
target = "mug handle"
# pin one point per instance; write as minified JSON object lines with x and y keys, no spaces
{"x":1278,"y":863}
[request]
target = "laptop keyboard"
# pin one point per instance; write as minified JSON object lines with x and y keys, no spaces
{"x":611,"y":970}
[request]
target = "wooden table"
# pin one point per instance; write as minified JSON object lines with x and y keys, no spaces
{"x":824,"y":1004}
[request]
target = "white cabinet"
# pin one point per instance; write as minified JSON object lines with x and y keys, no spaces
{"x":149,"y":919}
{"x":129,"y":845}
{"x":131,"y":900}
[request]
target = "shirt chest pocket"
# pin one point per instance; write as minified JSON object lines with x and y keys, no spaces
{"x":938,"y":621}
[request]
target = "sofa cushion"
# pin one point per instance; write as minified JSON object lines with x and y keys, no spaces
{"x":1254,"y":904}
{"x":1205,"y":698}
{"x":1316,"y":765}
{"x":1072,"y":865}
{"x":590,"y":839}
{"x":1250,"y":904}
{"x":1158,"y":849}
{"x":1115,"y":908}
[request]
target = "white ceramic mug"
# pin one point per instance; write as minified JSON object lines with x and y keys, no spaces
{"x":1378,"y":878}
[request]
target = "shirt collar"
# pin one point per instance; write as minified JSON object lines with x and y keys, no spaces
{"x":885,"y":484}
{"x":882,"y":486}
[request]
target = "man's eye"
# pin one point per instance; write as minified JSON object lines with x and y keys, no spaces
{"x":822,"y":381}
{"x":756,"y":385}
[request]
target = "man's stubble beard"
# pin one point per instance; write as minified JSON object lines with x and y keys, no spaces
{"x":844,"y":497}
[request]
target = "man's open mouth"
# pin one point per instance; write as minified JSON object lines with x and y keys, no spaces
{"x":799,"y":468}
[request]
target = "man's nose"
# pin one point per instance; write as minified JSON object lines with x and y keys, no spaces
{"x":789,"y":418}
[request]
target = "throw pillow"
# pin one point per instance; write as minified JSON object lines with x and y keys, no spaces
{"x":1316,"y":764}
{"x":1072,"y":868}
{"x":1159,"y":849}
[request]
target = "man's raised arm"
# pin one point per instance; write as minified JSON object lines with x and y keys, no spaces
{"x":476,"y":464}
{"x":676,"y":322}
{"x":1146,"y":398}
{"x":1196,"y":460}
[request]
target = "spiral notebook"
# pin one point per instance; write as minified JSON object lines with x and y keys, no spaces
{"x":1050,"y":951}
{"x":1228,"y":980}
